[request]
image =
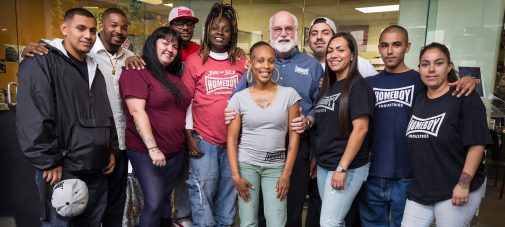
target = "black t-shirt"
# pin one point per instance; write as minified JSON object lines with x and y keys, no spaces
{"x":439,"y":134}
{"x":82,"y":66}
{"x":330,"y":143}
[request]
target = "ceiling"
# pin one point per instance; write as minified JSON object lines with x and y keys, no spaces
{"x":338,"y":10}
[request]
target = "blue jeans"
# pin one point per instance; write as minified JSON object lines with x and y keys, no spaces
{"x":336,"y":203}
{"x":92,"y":215}
{"x":157,"y":184}
{"x":445,"y":214}
{"x":264,"y":179}
{"x":383,"y":202}
{"x":211,"y":190}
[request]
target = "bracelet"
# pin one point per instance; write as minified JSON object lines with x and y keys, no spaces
{"x":152,"y":148}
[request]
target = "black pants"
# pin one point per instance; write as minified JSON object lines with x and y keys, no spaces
{"x":116,"y":196}
{"x":299,"y":184}
{"x":314,"y":208}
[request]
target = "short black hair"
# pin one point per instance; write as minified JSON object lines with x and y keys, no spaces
{"x":110,"y":11}
{"x":396,"y":28}
{"x":69,"y":15}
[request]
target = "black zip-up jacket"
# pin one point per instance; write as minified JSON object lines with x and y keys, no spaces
{"x":60,"y":120}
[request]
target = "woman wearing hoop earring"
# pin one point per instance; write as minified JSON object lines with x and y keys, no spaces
{"x":259,"y":162}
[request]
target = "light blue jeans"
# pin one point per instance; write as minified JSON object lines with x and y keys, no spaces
{"x":211,"y":190}
{"x":264,"y":179}
{"x":336,"y":203}
{"x":446,"y":214}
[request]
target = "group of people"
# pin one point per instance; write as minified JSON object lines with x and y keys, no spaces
{"x":396,"y":148}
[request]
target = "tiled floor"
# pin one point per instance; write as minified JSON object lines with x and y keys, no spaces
{"x":492,"y":209}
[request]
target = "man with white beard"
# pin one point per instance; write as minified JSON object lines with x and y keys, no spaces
{"x":301,"y":72}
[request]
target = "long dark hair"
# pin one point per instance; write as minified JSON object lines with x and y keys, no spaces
{"x":452,"y":76}
{"x":353,"y":75}
{"x":153,"y":64}
{"x":226,"y":11}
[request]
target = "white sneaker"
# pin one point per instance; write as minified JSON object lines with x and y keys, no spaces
{"x":182,"y":223}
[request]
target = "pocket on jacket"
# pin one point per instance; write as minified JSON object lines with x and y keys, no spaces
{"x":89,"y":146}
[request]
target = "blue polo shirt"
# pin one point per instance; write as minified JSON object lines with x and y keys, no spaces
{"x":299,"y":71}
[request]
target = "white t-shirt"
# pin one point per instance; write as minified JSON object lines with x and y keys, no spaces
{"x":365,"y":68}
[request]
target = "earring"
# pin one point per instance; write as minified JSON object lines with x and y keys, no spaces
{"x":278,"y":76}
{"x":249,"y":76}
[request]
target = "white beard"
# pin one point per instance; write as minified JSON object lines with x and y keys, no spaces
{"x":285,"y":47}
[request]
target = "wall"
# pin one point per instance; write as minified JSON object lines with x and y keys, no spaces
{"x":471,"y":30}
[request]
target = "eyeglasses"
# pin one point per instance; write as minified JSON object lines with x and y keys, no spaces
{"x":278,"y":30}
{"x":180,"y":23}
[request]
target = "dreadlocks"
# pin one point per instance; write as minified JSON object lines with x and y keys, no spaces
{"x":225,"y":11}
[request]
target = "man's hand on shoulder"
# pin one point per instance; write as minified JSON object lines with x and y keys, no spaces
{"x":34,"y":48}
{"x":464,"y":86}
{"x":135,"y":62}
{"x":229,"y":115}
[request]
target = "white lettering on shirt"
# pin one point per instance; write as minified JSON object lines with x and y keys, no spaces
{"x":328,"y":102}
{"x":301,"y":70}
{"x":403,"y":95}
{"x":427,"y":126}
{"x":224,"y":81}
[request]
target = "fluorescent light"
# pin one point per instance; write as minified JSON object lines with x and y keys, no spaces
{"x":90,"y":7}
{"x":153,"y":2}
{"x":169,"y":4}
{"x":379,"y":9}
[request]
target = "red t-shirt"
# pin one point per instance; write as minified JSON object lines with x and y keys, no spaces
{"x":192,"y":48}
{"x":167,"y":118}
{"x":211,"y":85}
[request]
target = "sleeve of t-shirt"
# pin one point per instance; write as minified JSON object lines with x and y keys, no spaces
{"x":293,"y":97}
{"x":473,"y":122}
{"x":366,"y":69}
{"x":361,"y":100}
{"x":189,"y":76}
{"x":234,"y":103}
{"x":132,"y":83}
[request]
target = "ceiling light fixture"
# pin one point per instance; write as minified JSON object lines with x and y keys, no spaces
{"x":379,"y":9}
{"x":169,"y":4}
{"x":90,"y":7}
{"x":153,"y":2}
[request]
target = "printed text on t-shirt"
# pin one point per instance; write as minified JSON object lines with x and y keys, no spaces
{"x":421,"y":128}
{"x":327,"y":103}
{"x":396,"y":97}
{"x":221,"y":81}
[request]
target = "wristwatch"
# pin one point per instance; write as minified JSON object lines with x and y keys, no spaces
{"x":340,"y":169}
{"x":309,"y":123}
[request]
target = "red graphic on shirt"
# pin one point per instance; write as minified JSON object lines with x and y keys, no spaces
{"x":184,"y":12}
{"x":221,"y":82}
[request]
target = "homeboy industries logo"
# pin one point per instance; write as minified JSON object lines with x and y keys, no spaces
{"x":327,"y":103}
{"x":221,"y":82}
{"x":396,"y":97}
{"x":301,"y":70}
{"x":422,"y":128}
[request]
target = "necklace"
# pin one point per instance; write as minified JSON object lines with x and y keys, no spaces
{"x":112,"y":64}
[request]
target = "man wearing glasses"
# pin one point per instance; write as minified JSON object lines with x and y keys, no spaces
{"x":183,"y":20}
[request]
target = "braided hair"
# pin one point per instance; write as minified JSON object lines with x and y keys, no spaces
{"x":217,"y":11}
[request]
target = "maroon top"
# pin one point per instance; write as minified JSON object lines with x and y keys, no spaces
{"x":166,"y":116}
